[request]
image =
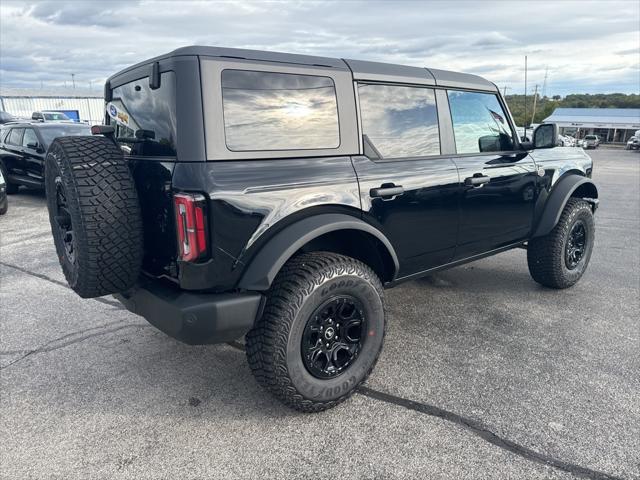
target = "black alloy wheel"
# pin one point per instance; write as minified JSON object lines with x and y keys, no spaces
{"x":333,"y":336}
{"x":63,"y":221}
{"x":576,"y":245}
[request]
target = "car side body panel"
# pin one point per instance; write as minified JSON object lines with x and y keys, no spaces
{"x":249,"y":202}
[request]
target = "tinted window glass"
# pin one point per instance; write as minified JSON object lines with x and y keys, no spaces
{"x":48,"y":134}
{"x":29,"y":137}
{"x":55,"y":116}
{"x":145,"y":118}
{"x":279,"y":111}
{"x":399,"y":121}
{"x":15,"y":136}
{"x":479,"y":123}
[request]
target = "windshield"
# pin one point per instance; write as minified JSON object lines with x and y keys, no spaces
{"x":590,"y":137}
{"x":50,"y":133}
{"x":55,"y":116}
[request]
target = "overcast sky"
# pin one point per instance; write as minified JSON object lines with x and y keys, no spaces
{"x":588,"y":47}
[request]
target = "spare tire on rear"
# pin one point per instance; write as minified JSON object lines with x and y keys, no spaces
{"x":94,"y":214}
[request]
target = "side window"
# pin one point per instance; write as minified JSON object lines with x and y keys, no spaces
{"x":479,"y":123}
{"x":29,"y":137}
{"x":279,"y":111}
{"x":15,"y":137}
{"x":398,"y":121}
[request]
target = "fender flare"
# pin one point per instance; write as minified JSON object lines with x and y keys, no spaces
{"x":558,"y":199}
{"x":266,"y":264}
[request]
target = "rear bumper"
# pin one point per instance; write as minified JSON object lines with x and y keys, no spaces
{"x":194,"y":318}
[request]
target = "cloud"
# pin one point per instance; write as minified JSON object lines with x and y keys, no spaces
{"x":580,"y":42}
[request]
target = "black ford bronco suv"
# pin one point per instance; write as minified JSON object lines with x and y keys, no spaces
{"x":237,"y":192}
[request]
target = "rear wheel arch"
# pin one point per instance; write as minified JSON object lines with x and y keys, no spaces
{"x":337,"y":233}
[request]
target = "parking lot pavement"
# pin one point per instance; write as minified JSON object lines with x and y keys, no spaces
{"x":484,"y":374}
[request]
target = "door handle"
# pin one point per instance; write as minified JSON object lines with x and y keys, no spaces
{"x":477,"y":180}
{"x":386,"y":191}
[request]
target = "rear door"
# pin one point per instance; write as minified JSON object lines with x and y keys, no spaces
{"x":408,"y":189}
{"x":12,"y":152}
{"x":498,"y":190}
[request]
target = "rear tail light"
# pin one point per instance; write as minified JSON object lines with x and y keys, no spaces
{"x":191,"y":226}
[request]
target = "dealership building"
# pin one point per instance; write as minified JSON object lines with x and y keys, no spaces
{"x":83,"y":105}
{"x":612,"y":125}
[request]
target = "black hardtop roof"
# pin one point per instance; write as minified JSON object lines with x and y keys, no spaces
{"x":361,"y":69}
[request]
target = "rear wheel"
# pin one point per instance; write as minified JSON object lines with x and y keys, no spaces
{"x":559,"y":259}
{"x":94,"y":214}
{"x":321,"y":332}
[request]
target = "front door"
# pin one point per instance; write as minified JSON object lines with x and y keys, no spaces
{"x":498,"y":181}
{"x":408,"y":190}
{"x":33,"y":157}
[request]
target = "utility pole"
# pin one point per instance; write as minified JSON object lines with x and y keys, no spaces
{"x":525,"y":96}
{"x":504,"y":93}
{"x":535,"y":98}
{"x":544,"y":84}
{"x":73,"y":80}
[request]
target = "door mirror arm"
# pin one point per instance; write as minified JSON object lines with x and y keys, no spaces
{"x":526,"y":145}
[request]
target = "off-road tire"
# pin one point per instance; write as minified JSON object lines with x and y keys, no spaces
{"x":11,"y":188}
{"x":273,"y":346}
{"x":546,"y":255}
{"x":104,"y":211}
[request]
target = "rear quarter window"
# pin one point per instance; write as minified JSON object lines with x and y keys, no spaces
{"x":279,"y":111}
{"x":15,"y":136}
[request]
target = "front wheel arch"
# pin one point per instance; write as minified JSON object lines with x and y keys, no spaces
{"x":572,"y":186}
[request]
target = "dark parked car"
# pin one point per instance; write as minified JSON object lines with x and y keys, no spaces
{"x":238,"y":192}
{"x":23,"y":147}
{"x":4,"y":203}
{"x":6,"y":117}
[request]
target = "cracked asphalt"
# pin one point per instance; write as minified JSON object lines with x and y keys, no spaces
{"x":484,"y":374}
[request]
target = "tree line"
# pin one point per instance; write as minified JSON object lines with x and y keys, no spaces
{"x":546,"y":105}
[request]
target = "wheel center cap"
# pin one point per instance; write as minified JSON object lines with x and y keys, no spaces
{"x":329,"y":332}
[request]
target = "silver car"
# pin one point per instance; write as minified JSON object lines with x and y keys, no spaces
{"x":591,"y":141}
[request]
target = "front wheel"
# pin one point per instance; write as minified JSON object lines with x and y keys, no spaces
{"x":10,"y":187}
{"x":321,"y":332}
{"x":559,"y":259}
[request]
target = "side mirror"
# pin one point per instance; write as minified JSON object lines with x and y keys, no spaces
{"x":545,"y":136}
{"x":145,"y":134}
{"x":35,"y":146}
{"x":489,"y":143}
